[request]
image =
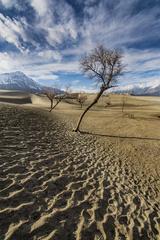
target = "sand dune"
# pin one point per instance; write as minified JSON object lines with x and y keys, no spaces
{"x":55,"y":184}
{"x":15,"y":97}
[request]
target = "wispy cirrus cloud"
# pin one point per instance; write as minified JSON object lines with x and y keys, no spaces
{"x":12,"y":31}
{"x":50,"y":36}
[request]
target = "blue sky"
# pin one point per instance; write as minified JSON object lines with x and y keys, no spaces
{"x":46,"y":38}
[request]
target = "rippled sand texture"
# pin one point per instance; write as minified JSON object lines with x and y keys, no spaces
{"x":55,"y":185}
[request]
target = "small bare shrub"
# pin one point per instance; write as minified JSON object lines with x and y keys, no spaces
{"x":108,"y":101}
{"x":131,"y":115}
{"x":81,"y":99}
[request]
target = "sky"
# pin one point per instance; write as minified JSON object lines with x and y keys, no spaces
{"x":45,"y":39}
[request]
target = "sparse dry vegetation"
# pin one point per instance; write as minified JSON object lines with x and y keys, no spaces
{"x":53,"y":97}
{"x":81,"y":99}
{"x":57,"y":98}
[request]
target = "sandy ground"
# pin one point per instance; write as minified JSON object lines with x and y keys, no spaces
{"x":59,"y":185}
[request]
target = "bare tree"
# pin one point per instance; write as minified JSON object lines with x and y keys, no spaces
{"x":81,"y":99}
{"x":57,"y":99}
{"x":68,"y":92}
{"x":103,"y":65}
{"x":68,"y":89}
{"x":51,"y":95}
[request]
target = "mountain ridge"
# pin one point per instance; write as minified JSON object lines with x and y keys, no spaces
{"x":19,"y":81}
{"x":145,"y":89}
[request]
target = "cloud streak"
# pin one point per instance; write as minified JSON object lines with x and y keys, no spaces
{"x":50,"y":36}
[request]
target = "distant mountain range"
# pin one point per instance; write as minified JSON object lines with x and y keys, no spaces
{"x":19,"y":81}
{"x":145,"y":89}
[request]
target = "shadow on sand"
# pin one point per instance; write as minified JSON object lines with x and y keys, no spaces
{"x":16,"y":100}
{"x":116,"y":136}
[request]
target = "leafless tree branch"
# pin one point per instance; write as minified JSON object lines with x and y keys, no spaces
{"x":103,"y":65}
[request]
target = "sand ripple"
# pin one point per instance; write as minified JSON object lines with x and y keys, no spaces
{"x":57,"y":185}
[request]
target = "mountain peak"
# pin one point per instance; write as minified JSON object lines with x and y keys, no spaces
{"x":18,"y":73}
{"x":18,"y":81}
{"x":13,"y":73}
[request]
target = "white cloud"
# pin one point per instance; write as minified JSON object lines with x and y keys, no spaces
{"x":139,"y":61}
{"x":121,"y":29}
{"x":8,"y":3}
{"x":50,"y":55}
{"x":47,"y":14}
{"x":116,"y":26}
{"x":83,"y":88}
{"x":7,"y":63}
{"x":65,"y":67}
{"x":45,"y":63}
{"x":35,"y":65}
{"x":60,"y":32}
{"x":46,"y":77}
{"x":11,"y":30}
{"x":40,"y":6}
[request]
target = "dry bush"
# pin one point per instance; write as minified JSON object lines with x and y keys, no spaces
{"x":81,"y":99}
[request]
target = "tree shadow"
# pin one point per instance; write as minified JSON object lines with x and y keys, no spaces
{"x":117,"y":136}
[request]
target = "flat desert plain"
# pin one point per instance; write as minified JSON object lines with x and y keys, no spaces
{"x":100,"y":184}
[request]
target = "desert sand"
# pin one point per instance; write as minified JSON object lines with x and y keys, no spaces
{"x":59,"y":185}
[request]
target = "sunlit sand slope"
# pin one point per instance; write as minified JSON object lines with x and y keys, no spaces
{"x":55,"y":184}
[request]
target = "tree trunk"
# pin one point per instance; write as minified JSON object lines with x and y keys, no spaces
{"x":55,"y":105}
{"x":51,"y":104}
{"x":91,"y":105}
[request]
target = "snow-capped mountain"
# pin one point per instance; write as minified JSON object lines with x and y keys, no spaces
{"x":18,"y":81}
{"x":148,"y":89}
